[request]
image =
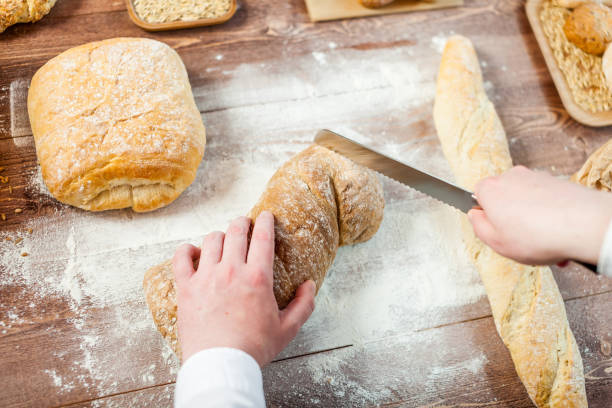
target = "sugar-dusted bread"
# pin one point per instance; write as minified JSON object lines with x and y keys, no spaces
{"x":23,"y":11}
{"x":116,"y":125}
{"x":597,"y":170}
{"x":320,"y":201}
{"x":527,"y":307}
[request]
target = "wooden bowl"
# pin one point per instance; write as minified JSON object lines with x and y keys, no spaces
{"x":176,"y":25}
{"x":575,"y":111}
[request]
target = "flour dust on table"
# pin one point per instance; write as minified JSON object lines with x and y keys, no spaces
{"x":86,"y":268}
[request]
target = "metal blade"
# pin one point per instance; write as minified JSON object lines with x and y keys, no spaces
{"x":419,"y":180}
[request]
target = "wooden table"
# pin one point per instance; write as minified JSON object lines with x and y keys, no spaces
{"x":55,"y":354}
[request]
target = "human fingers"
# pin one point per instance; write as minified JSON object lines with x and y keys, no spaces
{"x":235,"y":242}
{"x":212,"y":248}
{"x":182,"y":263}
{"x":261,"y":250}
{"x":298,"y":311}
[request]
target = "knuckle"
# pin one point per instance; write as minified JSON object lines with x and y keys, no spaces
{"x":181,"y":250}
{"x":262,"y":235}
{"x":237,"y":229}
{"x":520,"y":169}
{"x":258,"y":274}
{"x":294,"y":328}
{"x":311,"y":305}
{"x":213,"y":236}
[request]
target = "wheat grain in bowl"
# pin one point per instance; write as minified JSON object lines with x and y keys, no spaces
{"x":165,"y":11}
{"x":583,"y":72}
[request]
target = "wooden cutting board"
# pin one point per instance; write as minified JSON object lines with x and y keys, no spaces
{"x":581,"y":115}
{"x":322,"y":10}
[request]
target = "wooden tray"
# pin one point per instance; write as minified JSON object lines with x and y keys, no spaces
{"x":175,"y":25}
{"x":323,"y":10}
{"x":575,"y":111}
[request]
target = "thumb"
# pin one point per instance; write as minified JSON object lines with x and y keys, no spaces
{"x":298,"y":311}
{"x":483,"y":228}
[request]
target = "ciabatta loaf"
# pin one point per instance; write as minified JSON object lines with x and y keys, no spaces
{"x":115,"y":125}
{"x":320,"y":201}
{"x":527,"y":307}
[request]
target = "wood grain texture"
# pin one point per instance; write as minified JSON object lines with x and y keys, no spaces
{"x":458,"y":340}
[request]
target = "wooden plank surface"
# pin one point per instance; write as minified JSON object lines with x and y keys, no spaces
{"x":265,"y":82}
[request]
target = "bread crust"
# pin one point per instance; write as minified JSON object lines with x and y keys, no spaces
{"x":575,"y":3}
{"x":23,"y":11}
{"x":597,"y":170}
{"x":606,"y":65}
{"x":115,"y":125}
{"x":527,"y":307}
{"x":320,"y":201}
{"x":375,"y":3}
{"x":589,"y":27}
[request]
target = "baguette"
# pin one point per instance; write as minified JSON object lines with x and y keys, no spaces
{"x":527,"y":307}
{"x":320,"y":201}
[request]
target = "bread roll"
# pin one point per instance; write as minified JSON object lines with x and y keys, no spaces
{"x":606,"y":66}
{"x":597,"y":170}
{"x":23,"y":11}
{"x":589,"y":27}
{"x":576,"y":3}
{"x":115,"y":125}
{"x":375,"y":3}
{"x":320,"y":201}
{"x":527,"y":307}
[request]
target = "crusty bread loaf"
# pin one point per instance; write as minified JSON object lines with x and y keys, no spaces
{"x":589,"y":27}
{"x":320,"y":201}
{"x":23,"y":11}
{"x":597,"y":170}
{"x":115,"y":125}
{"x":527,"y":307}
{"x":375,"y":3}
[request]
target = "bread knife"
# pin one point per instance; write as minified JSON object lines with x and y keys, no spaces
{"x":419,"y":180}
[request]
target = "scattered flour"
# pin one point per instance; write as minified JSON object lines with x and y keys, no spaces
{"x":410,"y":276}
{"x":438,"y":41}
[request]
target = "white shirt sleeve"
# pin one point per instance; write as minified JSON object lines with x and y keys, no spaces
{"x":219,"y":377}
{"x":604,"y":266}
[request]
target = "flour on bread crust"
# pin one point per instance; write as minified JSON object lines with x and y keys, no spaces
{"x":320,"y":201}
{"x":115,"y":125}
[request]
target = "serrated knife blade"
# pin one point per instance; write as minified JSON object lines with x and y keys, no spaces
{"x":419,"y":180}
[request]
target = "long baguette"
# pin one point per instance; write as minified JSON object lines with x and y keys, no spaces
{"x":527,"y":307}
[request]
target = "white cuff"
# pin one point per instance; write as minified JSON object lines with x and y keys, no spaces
{"x":219,"y":377}
{"x":604,"y":266}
